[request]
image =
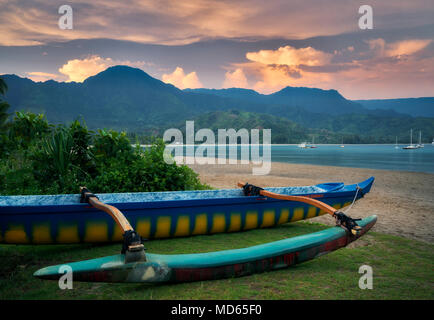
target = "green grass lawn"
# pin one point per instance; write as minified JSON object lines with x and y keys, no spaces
{"x":403,"y":269}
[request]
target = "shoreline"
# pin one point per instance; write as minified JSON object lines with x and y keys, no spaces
{"x":402,"y":200}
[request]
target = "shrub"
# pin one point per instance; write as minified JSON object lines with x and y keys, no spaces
{"x":28,"y":127}
{"x":111,"y":144}
{"x":143,"y":171}
{"x":59,"y":159}
{"x":16,"y":176}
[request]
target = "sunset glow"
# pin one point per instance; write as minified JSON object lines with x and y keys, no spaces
{"x":223,"y":44}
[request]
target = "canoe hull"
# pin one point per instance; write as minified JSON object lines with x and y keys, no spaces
{"x":211,"y":266}
{"x":28,"y":223}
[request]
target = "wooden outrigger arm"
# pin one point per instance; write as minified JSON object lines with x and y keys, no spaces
{"x":341,"y":219}
{"x":132,"y":246}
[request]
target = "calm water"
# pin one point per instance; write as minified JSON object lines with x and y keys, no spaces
{"x":358,"y":156}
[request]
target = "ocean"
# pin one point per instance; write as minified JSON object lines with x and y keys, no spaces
{"x":359,"y":156}
{"x":384,"y":157}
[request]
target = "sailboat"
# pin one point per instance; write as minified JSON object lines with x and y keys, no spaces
{"x":342,"y":144}
{"x":313,"y":146}
{"x":396,"y":143}
{"x":303,"y":145}
{"x":420,"y":145}
{"x":411,"y":146}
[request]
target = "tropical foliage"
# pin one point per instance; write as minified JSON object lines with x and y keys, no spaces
{"x":56,"y":159}
{"x":4,"y":106}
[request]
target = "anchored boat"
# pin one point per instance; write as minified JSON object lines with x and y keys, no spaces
{"x":61,"y":219}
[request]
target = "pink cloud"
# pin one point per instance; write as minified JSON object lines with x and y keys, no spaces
{"x":379,"y":72}
{"x":235,"y":79}
{"x":79,"y":70}
{"x":181,"y":80}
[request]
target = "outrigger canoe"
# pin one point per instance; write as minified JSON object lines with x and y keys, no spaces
{"x":49,"y":219}
{"x":158,"y":268}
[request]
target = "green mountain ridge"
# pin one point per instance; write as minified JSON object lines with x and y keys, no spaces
{"x":125,"y":98}
{"x":417,"y":107}
{"x":282,"y":130}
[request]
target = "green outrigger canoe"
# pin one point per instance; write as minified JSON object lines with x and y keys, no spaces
{"x":159,"y":268}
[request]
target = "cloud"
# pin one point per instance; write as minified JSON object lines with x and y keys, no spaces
{"x":34,"y":22}
{"x":181,"y":80}
{"x":235,"y":79}
{"x":275,"y":69}
{"x":399,"y":48}
{"x":272,"y":78}
{"x":41,"y":76}
{"x":79,"y":70}
{"x":381,"y":70}
{"x":290,"y":56}
{"x":407,"y":47}
{"x":387,"y":70}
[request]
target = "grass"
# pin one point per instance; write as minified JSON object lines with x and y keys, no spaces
{"x":402,"y":269}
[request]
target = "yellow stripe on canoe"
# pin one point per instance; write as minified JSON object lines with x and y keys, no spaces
{"x":143,"y":227}
{"x":235,"y":224}
{"x":117,"y":233}
{"x":182,"y":226}
{"x":298,"y":214}
{"x":251,"y":220}
{"x":268,"y":218}
{"x":284,"y":216}
{"x":41,"y":233}
{"x":96,"y":232}
{"x":163,"y":227}
{"x":218,"y":223}
{"x":68,"y":234}
{"x":311,"y":212}
{"x":16,"y":234}
{"x":201,"y":224}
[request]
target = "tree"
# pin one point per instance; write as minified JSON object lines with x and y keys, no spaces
{"x":3,"y":87}
{"x":4,"y":106}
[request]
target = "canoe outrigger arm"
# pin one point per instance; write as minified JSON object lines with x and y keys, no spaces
{"x":341,"y":218}
{"x":132,"y":245}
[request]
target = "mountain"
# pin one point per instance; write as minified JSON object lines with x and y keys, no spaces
{"x":316,"y":100}
{"x":310,"y":99}
{"x":119,"y":97}
{"x":125,"y":98}
{"x":283,"y":130}
{"x":234,"y":93}
{"x":122,"y":97}
{"x":416,"y":107}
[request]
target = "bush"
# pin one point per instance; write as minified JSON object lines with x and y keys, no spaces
{"x":16,"y":176}
{"x":28,"y":127}
{"x":143,"y":171}
{"x":59,"y":159}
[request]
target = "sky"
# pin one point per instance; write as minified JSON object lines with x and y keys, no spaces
{"x":260,"y":45}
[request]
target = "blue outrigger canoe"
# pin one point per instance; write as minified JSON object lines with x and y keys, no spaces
{"x":62,"y":219}
{"x":209,"y":266}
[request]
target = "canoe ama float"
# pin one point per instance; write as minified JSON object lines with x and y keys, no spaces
{"x":60,"y":219}
{"x":213,"y":265}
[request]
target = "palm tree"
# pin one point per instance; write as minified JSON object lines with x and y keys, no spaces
{"x":3,"y":87}
{"x":4,"y":106}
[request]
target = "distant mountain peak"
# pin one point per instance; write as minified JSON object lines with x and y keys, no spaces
{"x":126,"y":75}
{"x":120,"y":71}
{"x":290,"y":89}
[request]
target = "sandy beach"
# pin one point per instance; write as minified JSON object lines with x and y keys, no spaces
{"x":403,"y":201}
